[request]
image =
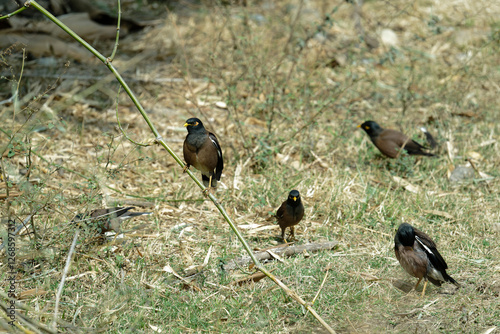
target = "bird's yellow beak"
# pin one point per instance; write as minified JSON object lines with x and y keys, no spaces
{"x":359,"y":126}
{"x":294,"y":199}
{"x":185,"y":124}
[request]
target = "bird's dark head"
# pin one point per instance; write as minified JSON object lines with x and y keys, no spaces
{"x":371,"y":128}
{"x":194,"y":125}
{"x":294,"y":198}
{"x":406,"y":234}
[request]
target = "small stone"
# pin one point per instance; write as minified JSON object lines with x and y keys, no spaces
{"x":389,"y":38}
{"x":461,"y":173}
{"x":221,"y":105}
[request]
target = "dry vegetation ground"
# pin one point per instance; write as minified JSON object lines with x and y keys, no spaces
{"x":284,"y":89}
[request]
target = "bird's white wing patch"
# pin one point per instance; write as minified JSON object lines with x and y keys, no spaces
{"x":216,"y":144}
{"x":423,"y":245}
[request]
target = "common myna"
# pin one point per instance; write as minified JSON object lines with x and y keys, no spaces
{"x":105,"y":220}
{"x":290,"y":213}
{"x":389,"y":142}
{"x":202,"y":150}
{"x":417,"y":254}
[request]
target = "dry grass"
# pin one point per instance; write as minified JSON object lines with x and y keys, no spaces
{"x":295,"y":87}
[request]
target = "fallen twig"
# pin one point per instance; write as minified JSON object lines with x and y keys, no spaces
{"x":248,"y":279}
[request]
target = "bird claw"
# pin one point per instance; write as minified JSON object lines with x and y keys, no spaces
{"x":186,"y":167}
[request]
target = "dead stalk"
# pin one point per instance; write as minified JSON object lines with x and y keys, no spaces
{"x":63,"y":278}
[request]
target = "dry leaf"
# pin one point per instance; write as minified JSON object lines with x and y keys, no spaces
{"x":276,"y":256}
{"x":490,"y":330}
{"x":488,"y":142}
{"x":32,"y":293}
{"x":485,"y":176}
{"x":249,"y":226}
{"x":155,"y":328}
{"x":237,"y":176}
{"x":450,"y":150}
{"x":255,"y":121}
{"x":405,"y":184}
{"x":475,"y":155}
{"x":266,"y":227}
{"x":469,"y":114}
{"x":93,"y":273}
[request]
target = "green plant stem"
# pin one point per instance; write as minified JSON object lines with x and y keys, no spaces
{"x":117,"y":32}
{"x":160,"y":140}
{"x":17,"y":11}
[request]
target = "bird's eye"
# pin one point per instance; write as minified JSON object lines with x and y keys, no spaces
{"x":367,"y":127}
{"x":195,"y":124}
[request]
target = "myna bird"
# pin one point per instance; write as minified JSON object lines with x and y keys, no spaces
{"x":202,"y":150}
{"x":105,"y":220}
{"x":290,"y":213}
{"x":390,"y":142}
{"x":417,"y":254}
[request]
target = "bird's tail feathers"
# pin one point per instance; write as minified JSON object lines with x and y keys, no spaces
{"x":135,"y":214}
{"x":450,"y":279}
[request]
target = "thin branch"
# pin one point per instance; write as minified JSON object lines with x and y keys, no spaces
{"x":18,"y":228}
{"x":63,"y":278}
{"x":117,"y":33}
{"x":17,"y":11}
{"x":320,"y":288}
{"x":16,"y":94}
{"x":123,"y":131}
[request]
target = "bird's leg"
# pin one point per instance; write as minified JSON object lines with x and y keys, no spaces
{"x":418,"y":283}
{"x":186,"y":167}
{"x":209,"y":188}
{"x":292,"y":232}
{"x":283,"y":234}
{"x":425,"y":286}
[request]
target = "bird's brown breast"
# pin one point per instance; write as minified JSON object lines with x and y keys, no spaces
{"x":413,"y":260}
{"x":289,"y":216}
{"x":203,"y":158}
